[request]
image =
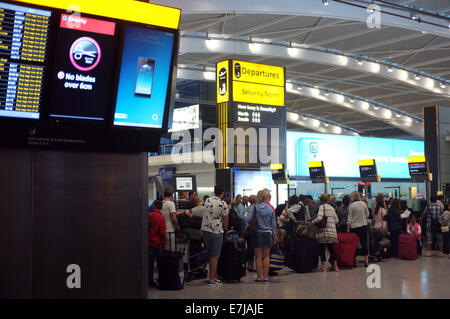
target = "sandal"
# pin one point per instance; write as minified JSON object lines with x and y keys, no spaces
{"x":250,"y":269}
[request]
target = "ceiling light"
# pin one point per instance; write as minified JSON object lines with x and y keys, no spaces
{"x":255,"y":47}
{"x":424,"y":32}
{"x":299,"y":88}
{"x":212,"y":45}
{"x":337,"y":130}
{"x":289,"y":86}
{"x":316,"y":123}
{"x":359,"y":62}
{"x":352,"y":100}
{"x":325,"y":2}
{"x":416,"y":77}
{"x":375,"y":107}
{"x":365,"y":106}
{"x":304,"y":118}
{"x":211,"y":76}
{"x":413,"y":15}
{"x":387,"y":114}
{"x":326,"y":124}
{"x":327,"y":94}
{"x":390,"y":70}
{"x":397,"y":115}
{"x":294,"y":116}
{"x":443,"y":85}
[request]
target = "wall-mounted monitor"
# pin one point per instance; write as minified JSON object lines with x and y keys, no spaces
{"x":368,"y":170}
{"x":144,"y":78}
{"x":317,"y":172}
{"x":184,"y":183}
{"x":99,"y":79}
{"x":23,"y":56}
{"x":418,"y":169}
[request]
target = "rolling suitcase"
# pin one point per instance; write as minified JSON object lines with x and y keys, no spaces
{"x":288,"y":249}
{"x":233,"y":257}
{"x":304,"y":254}
{"x":171,"y":268}
{"x":407,"y":247}
{"x":346,"y":249}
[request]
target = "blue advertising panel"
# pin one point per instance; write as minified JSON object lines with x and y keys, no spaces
{"x":341,"y":154}
{"x":144,"y":78}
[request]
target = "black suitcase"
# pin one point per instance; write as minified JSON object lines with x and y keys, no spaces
{"x":304,"y":254}
{"x":288,"y":249}
{"x":231,"y":266}
{"x":170,"y":269}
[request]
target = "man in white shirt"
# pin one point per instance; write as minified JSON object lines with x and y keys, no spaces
{"x":169,"y":211}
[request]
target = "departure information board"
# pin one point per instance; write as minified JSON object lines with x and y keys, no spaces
{"x":23,"y":49}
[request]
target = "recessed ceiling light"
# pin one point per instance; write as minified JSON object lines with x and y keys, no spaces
{"x":359,"y":62}
{"x":398,"y":115}
{"x":325,"y":2}
{"x":416,"y":77}
{"x":352,"y":100}
{"x":327,"y":94}
{"x":443,"y":85}
{"x":375,"y":107}
{"x":390,"y":70}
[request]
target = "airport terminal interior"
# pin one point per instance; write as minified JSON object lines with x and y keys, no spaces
{"x":109,"y":114}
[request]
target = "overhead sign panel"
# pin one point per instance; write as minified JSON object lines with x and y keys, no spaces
{"x":258,"y":93}
{"x":128,"y":10}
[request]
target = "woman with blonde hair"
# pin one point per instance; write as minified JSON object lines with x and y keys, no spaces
{"x":264,"y":237}
{"x":358,"y":213}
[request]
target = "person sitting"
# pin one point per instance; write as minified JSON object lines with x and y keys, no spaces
{"x":327,"y":236}
{"x":414,"y":229}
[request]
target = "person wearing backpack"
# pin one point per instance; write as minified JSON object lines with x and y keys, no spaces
{"x":327,"y":235}
{"x":156,"y":237}
{"x":433,"y":213}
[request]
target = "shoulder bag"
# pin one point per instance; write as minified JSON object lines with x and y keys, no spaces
{"x":253,"y":224}
{"x":323,"y":222}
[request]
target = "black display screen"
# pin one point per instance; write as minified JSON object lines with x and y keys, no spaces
{"x":368,"y":171}
{"x":23,"y":53}
{"x":317,"y":172}
{"x":81,"y":80}
{"x":418,"y":169}
{"x":279,"y":174}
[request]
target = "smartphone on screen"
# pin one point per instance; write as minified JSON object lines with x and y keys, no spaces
{"x":144,"y":78}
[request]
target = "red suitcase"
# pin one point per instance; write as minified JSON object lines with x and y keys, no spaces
{"x":407,"y":247}
{"x":346,"y":249}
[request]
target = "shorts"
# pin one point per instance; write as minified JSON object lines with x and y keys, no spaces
{"x":213,"y":243}
{"x":261,"y":240}
{"x":432,"y":235}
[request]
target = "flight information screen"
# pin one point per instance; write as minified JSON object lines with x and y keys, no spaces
{"x":23,"y":51}
{"x":368,"y":171}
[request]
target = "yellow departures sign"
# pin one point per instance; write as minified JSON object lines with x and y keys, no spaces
{"x":250,"y":83}
{"x":128,"y":10}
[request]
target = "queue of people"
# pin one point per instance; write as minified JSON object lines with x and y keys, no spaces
{"x":263,"y":226}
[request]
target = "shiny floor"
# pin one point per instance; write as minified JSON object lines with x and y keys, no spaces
{"x":426,"y":277}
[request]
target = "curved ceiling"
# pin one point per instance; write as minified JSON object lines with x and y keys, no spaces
{"x":310,"y":24}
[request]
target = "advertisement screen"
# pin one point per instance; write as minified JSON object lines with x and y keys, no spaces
{"x":185,"y":118}
{"x":81,"y":83}
{"x":23,"y":52}
{"x":341,"y":154}
{"x":248,"y":183}
{"x":144,"y":78}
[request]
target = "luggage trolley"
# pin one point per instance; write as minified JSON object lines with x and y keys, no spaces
{"x":195,"y":258}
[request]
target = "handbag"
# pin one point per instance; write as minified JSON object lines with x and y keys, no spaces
{"x":323,"y":222}
{"x":304,"y":230}
{"x":253,"y":224}
{"x":444,"y":229}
